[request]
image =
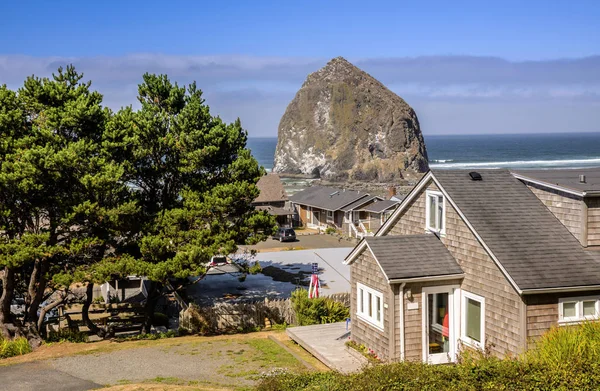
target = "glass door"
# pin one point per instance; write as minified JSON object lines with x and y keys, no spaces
{"x":438,"y":325}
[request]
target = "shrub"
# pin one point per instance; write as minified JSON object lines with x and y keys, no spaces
{"x":16,"y":347}
{"x":330,"y":230}
{"x":317,"y":311}
{"x":565,"y":358}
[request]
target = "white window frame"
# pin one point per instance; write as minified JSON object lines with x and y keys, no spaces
{"x":362,"y":306}
{"x":579,"y":317}
{"x":463,"y":320}
{"x":428,"y":227}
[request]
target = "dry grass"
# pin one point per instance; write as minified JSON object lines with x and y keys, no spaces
{"x":161,"y":387}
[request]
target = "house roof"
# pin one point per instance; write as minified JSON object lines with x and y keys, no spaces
{"x":525,"y":238}
{"x":271,"y":189}
{"x":328,"y":198}
{"x":410,"y":257}
{"x":359,"y":203}
{"x":380,"y":206}
{"x":565,"y":179}
{"x":272,"y":210}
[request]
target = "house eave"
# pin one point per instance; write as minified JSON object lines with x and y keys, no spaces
{"x":550,"y":185}
{"x":560,"y":289}
{"x":444,"y":277}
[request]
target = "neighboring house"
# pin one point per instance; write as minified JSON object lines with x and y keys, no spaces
{"x":322,"y":207}
{"x":468,"y":260}
{"x":273,"y":199}
{"x":572,"y":195}
{"x":373,"y":215}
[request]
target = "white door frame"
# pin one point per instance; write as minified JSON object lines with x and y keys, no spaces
{"x":454,"y":320}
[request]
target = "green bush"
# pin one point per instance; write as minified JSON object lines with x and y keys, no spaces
{"x":565,"y":358}
{"x":330,"y":230}
{"x":317,"y":311}
{"x":16,"y":347}
{"x":67,"y":335}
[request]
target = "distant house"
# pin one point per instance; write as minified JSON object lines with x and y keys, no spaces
{"x":273,"y":199}
{"x":354,"y":213}
{"x":475,"y":260}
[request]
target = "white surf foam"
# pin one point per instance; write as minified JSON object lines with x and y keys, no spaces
{"x":522,"y":163}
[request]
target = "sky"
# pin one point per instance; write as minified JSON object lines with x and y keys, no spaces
{"x":466,"y":67}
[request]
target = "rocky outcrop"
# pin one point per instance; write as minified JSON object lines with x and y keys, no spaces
{"x":344,"y":125}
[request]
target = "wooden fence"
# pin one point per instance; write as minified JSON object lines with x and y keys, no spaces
{"x":244,"y":316}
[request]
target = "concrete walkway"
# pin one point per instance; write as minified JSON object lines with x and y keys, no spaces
{"x":327,"y":343}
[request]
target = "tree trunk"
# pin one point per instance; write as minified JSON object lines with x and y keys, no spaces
{"x":151,"y":301}
{"x":8,"y":287}
{"x":36,"y":289}
{"x":85,"y":315}
{"x":44,"y":310}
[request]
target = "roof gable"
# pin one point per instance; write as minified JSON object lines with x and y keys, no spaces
{"x":409,"y":257}
{"x":271,"y":189}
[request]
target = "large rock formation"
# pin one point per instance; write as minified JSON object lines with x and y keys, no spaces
{"x":343,"y":125}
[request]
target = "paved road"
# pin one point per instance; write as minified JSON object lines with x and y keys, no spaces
{"x":41,"y":376}
{"x":334,"y":277}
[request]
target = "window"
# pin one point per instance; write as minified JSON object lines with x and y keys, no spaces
{"x":434,"y":206}
{"x":575,"y":309}
{"x":329,"y":215}
{"x":370,"y":305}
{"x":473,"y":320}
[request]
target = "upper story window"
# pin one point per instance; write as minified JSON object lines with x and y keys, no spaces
{"x":435,"y":212}
{"x":576,"y":309}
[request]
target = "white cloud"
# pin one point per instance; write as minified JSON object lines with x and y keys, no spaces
{"x":478,"y":90}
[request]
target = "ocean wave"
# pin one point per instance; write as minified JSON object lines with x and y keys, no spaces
{"x":442,"y":160}
{"x":522,"y":164}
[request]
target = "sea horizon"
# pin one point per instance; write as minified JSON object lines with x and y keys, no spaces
{"x":500,"y":150}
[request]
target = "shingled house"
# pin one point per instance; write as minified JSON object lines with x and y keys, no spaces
{"x":273,"y":199}
{"x":345,"y":210}
{"x":469,"y":260}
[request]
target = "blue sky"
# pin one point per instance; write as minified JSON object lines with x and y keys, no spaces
{"x":466,"y":67}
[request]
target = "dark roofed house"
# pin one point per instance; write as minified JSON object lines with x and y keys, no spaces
{"x":473,"y":261}
{"x":273,"y":199}
{"x":322,"y":207}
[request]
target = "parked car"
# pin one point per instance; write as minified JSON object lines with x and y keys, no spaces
{"x":285,"y":235}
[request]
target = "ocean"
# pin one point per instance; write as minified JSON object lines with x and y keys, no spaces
{"x":516,"y":151}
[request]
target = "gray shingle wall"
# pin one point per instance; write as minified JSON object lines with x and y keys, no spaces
{"x":593,"y":205}
{"x":566,"y":207}
{"x":412,"y":219}
{"x":542,"y":312}
{"x":366,"y":271}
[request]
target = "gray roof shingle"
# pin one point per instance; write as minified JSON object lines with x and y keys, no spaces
{"x":380,"y":206}
{"x":412,"y":256}
{"x":328,"y":198}
{"x":567,"y":178}
{"x":271,"y":189}
{"x":531,"y":244}
{"x":358,"y":204}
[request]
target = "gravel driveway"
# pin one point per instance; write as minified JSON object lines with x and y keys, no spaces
{"x":233,"y":362}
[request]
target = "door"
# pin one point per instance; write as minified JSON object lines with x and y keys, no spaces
{"x":439,"y":325}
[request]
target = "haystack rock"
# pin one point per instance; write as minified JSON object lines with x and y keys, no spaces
{"x":344,"y":125}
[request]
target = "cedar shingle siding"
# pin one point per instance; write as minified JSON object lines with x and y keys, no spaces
{"x":566,"y":207}
{"x":366,"y":271}
{"x":593,"y":205}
